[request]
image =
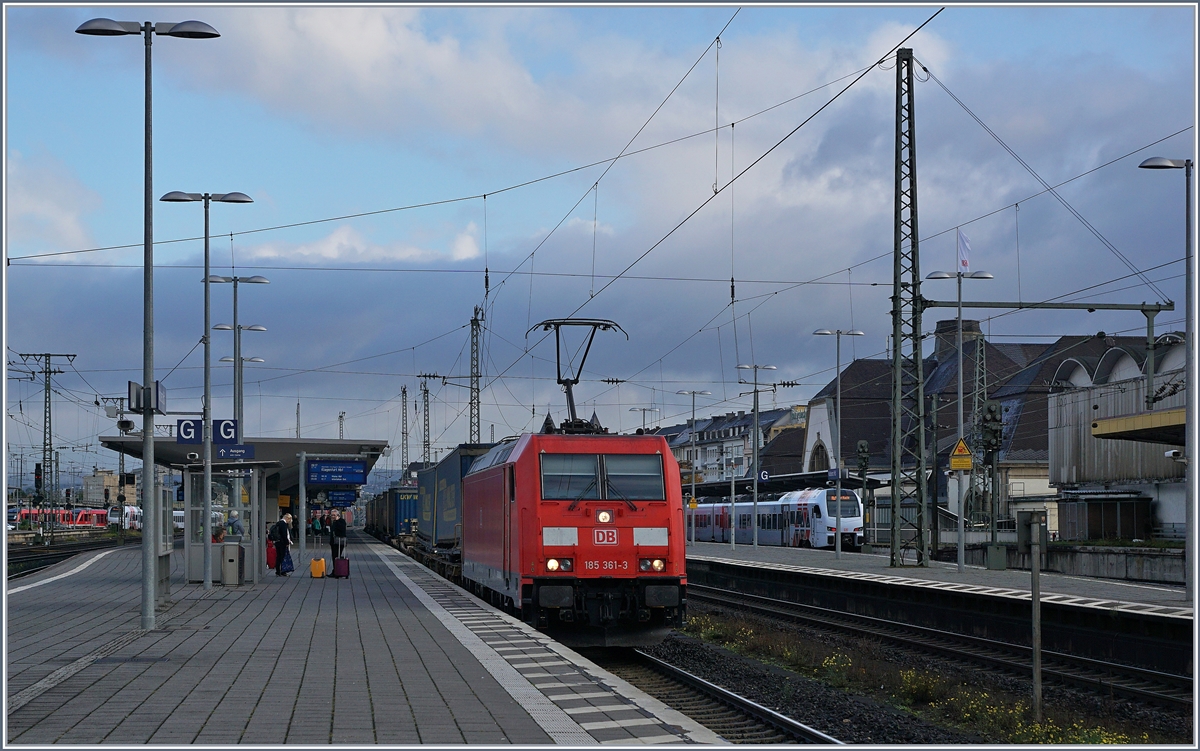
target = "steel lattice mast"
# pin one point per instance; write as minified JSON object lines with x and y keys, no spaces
{"x":425,"y":435}
{"x":476,"y":320}
{"x":404,"y":432}
{"x":908,"y":483}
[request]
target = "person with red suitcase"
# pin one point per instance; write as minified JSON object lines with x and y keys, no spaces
{"x":337,"y":544}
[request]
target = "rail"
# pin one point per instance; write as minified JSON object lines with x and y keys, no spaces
{"x":1108,"y":678}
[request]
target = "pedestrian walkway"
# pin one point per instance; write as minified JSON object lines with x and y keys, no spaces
{"x":1167,"y":597}
{"x":392,"y":655}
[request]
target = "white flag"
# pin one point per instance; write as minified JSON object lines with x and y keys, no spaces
{"x":964,"y":253}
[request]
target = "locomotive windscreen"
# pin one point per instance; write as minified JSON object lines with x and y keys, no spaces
{"x":570,"y":477}
{"x":628,"y":477}
{"x":638,"y":477}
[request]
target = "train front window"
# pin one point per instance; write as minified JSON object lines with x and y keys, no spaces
{"x":634,"y":477}
{"x":570,"y":477}
{"x":849,"y":509}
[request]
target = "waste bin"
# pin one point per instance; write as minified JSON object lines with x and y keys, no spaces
{"x":230,"y":558}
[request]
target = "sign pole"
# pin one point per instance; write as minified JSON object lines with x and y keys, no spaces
{"x":301,"y":522}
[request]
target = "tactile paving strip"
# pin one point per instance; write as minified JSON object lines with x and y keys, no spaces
{"x":572,"y":699}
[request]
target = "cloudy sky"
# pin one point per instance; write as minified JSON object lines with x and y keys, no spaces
{"x":368,"y":138}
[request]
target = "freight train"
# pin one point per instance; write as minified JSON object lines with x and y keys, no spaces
{"x":581,"y":536}
{"x":801,"y":518}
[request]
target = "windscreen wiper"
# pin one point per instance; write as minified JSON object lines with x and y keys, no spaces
{"x":582,"y":493}
{"x":616,"y":492}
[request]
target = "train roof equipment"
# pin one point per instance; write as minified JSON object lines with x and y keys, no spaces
{"x":573,"y":424}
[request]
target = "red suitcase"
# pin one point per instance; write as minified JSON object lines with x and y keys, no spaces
{"x":270,"y":554}
{"x":341,"y":568}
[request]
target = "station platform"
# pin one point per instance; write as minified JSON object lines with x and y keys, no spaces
{"x":393,"y":655}
{"x":1150,"y":598}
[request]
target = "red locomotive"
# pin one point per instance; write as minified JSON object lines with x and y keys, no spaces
{"x":583,"y":535}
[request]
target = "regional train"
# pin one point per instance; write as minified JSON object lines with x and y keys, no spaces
{"x":799,"y":519}
{"x":81,"y":518}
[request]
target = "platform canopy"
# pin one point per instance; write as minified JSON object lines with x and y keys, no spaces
{"x":277,"y":456}
{"x":1164,"y":426}
{"x":780,"y":484}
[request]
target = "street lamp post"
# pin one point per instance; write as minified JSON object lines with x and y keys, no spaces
{"x":692,"y":516}
{"x":960,"y":275}
{"x":754,"y":458}
{"x":237,"y":361}
{"x":837,"y":442}
{"x":643,"y":410}
{"x":176,"y":196}
{"x":1190,"y":433}
{"x":151,"y":529}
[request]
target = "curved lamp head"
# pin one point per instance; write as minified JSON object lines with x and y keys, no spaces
{"x":222,"y":327}
{"x":980,"y":275}
{"x":1159,"y":162}
{"x":854,"y":332}
{"x":220,"y":279}
{"x":178,"y":196}
{"x":255,"y":280}
{"x":941,"y":275}
{"x":226,"y":359}
{"x":234,"y":197}
{"x":192,"y":30}
{"x":255,"y":327}
{"x":253,"y":359}
{"x":818,"y":332}
{"x":106,"y":27}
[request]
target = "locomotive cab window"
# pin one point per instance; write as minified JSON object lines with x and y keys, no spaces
{"x":634,"y":477}
{"x":570,"y":477}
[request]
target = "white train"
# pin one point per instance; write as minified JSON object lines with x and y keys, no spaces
{"x":801,"y":518}
{"x":133,"y":516}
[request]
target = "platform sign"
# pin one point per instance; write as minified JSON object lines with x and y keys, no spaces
{"x":339,"y":496}
{"x":234,"y":452}
{"x":336,"y":473}
{"x":189,"y":431}
{"x":224,"y":431}
{"x":960,"y":457}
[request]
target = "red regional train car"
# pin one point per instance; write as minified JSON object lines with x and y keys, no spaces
{"x":582,"y":535}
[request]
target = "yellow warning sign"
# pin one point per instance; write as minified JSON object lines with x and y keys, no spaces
{"x":960,"y":457}
{"x":692,"y":503}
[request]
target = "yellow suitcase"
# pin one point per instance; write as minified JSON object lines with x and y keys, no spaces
{"x":317,"y":568}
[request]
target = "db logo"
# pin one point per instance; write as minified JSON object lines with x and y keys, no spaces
{"x":604,"y":536}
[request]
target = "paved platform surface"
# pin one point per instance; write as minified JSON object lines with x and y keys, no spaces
{"x":1091,"y":588}
{"x":393,"y":655}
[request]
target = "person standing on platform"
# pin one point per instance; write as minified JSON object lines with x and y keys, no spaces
{"x":283,"y":540}
{"x":235,"y":524}
{"x":337,"y":535}
{"x":316,"y":527}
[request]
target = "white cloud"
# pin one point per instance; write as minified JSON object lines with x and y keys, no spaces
{"x":345,"y":244}
{"x":45,"y":204}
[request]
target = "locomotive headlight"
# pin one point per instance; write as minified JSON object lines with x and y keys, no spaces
{"x":652,"y":564}
{"x":552,"y":564}
{"x":558,"y":564}
{"x":604,"y":517}
{"x":565,"y":564}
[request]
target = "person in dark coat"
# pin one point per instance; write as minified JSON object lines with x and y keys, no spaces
{"x":283,"y":540}
{"x":337,"y":535}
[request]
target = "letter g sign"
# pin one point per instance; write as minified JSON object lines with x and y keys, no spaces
{"x":224,"y":431}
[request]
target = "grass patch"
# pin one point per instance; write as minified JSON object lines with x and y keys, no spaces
{"x":865,"y":668}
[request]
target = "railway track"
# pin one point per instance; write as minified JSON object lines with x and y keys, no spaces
{"x":734,"y":718}
{"x":22,"y":562}
{"x":1110,"y":679}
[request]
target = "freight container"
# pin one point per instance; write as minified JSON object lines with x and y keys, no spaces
{"x":439,"y":522}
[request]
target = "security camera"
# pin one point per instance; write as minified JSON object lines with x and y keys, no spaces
{"x":192,"y":456}
{"x":1173,"y":454}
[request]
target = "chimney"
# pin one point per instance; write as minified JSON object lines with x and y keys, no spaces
{"x":947,"y":338}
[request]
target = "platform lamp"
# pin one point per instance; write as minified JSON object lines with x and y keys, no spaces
{"x":1189,"y":336}
{"x":177,"y":196}
{"x":692,"y":516}
{"x":152,"y":528}
{"x":643,"y":410}
{"x":960,"y":275}
{"x":837,"y":443}
{"x":757,"y":436}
